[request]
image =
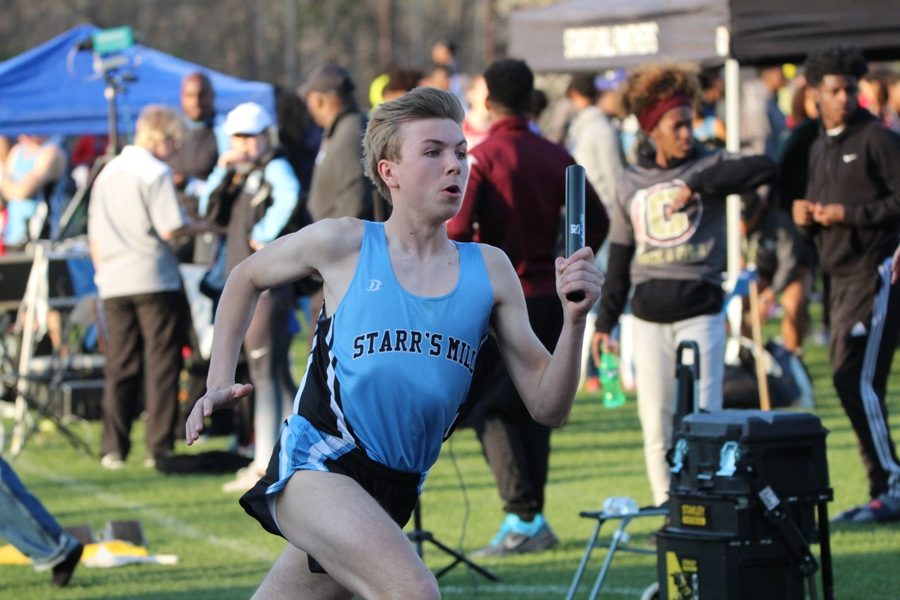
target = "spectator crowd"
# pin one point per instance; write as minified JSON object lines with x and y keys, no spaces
{"x":818,"y":174}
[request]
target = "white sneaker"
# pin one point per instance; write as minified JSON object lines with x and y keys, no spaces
{"x":151,"y":462}
{"x":244,"y":479}
{"x":807,"y":399}
{"x":112,"y":461}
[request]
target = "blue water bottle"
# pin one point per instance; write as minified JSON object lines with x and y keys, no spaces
{"x":608,"y":368}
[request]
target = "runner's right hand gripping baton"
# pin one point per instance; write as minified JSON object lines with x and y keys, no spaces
{"x":574,"y":217}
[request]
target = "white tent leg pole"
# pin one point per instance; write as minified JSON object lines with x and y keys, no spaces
{"x":733,"y":203}
{"x":39,"y":271}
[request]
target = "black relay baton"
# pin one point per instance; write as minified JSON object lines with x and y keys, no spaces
{"x":574,"y":217}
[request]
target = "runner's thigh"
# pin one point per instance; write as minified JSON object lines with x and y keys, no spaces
{"x":335,"y":520}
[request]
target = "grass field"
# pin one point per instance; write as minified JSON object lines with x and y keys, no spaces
{"x":224,"y":554}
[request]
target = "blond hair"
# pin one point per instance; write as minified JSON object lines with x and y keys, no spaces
{"x":382,"y":141}
{"x":156,"y":123}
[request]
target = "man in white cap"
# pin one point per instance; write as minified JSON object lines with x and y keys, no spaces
{"x":251,"y":166}
{"x":253,"y":193}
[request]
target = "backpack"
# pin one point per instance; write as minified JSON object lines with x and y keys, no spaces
{"x":788,"y":380}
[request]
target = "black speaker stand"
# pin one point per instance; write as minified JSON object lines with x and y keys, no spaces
{"x":419,"y":536}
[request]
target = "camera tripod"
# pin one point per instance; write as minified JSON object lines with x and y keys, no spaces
{"x":16,"y":386}
{"x":16,"y":380}
{"x":26,"y":425}
{"x":419,"y":536}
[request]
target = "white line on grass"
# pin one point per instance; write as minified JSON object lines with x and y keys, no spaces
{"x":183,"y":529}
{"x":529,"y":590}
{"x":171,"y":524}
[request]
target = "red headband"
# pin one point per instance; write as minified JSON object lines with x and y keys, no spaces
{"x":651,"y":115}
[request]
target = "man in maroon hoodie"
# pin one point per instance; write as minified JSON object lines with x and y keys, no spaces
{"x":514,"y":200}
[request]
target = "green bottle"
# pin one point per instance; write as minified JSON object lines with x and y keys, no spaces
{"x":608,"y":368}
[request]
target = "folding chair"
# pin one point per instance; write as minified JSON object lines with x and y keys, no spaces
{"x":618,"y":543}
{"x":64,"y":366}
{"x":687,"y":373}
{"x":67,"y":368}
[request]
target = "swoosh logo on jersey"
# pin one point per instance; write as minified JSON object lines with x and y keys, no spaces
{"x":849,"y":158}
{"x":374,"y":285}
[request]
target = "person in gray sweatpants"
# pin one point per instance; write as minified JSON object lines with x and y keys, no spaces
{"x":667,"y":241}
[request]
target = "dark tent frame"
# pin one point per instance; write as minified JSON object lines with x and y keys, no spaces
{"x":594,"y":35}
{"x":583,"y":35}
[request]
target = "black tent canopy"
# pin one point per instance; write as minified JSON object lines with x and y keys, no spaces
{"x":779,"y":31}
{"x":582,"y":35}
{"x":602,"y":34}
{"x":593,"y":35}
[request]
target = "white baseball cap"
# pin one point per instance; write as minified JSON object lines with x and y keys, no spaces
{"x":248,"y":118}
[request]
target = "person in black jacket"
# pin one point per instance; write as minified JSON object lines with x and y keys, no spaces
{"x":852,"y":212}
{"x":667,"y":239}
{"x":194,"y":160}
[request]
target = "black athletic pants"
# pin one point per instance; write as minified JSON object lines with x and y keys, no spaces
{"x":145,"y":334}
{"x":515,"y":446}
{"x":865,"y":320}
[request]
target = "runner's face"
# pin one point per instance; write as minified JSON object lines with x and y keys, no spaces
{"x":433,"y":163}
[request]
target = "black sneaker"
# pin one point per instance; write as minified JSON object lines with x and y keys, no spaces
{"x":846,"y":516}
{"x":62,"y":572}
{"x":882,"y":509}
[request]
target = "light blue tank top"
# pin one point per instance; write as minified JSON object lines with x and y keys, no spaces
{"x":402,"y":364}
{"x":20,"y":210}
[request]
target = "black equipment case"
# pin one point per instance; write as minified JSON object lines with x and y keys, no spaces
{"x":694,"y":566}
{"x":708,"y":493}
{"x":788,"y":449}
{"x":745,"y":490}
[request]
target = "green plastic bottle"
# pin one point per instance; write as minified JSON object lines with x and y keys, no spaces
{"x":608,"y":368}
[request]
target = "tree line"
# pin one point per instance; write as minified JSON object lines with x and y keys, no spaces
{"x":280,"y":41}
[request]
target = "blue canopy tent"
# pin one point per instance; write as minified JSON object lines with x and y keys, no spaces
{"x":55,"y":89}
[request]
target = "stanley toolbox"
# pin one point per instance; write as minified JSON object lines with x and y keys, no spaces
{"x":748,"y":495}
{"x":710,"y":492}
